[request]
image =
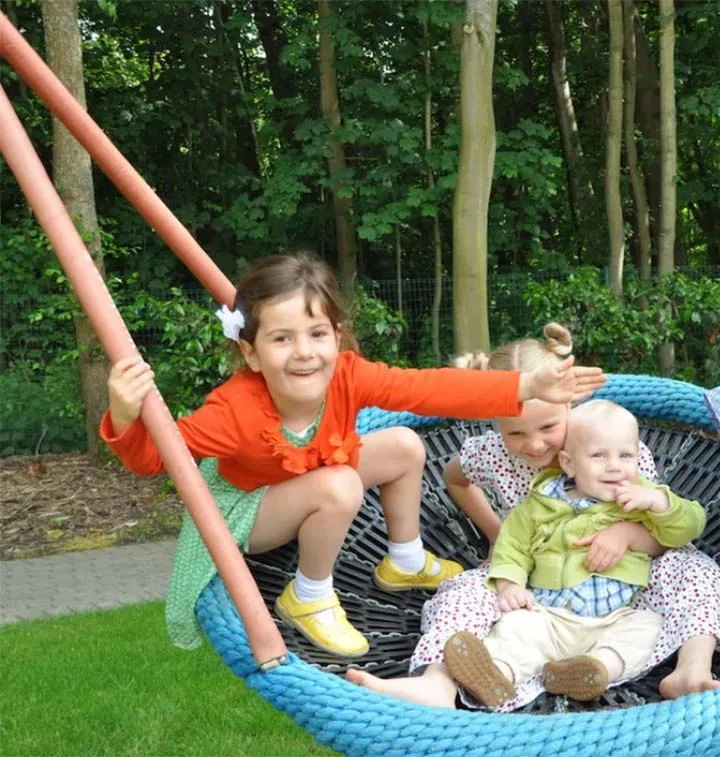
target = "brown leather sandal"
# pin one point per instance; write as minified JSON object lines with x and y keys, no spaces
{"x":470,"y":665}
{"x":582,"y":678}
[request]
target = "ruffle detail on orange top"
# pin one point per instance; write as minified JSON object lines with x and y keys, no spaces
{"x":292,"y":459}
{"x":337,"y":450}
{"x":298,"y":460}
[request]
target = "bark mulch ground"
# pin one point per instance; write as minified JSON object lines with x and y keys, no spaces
{"x":60,"y":503}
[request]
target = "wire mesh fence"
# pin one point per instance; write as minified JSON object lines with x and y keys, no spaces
{"x":40,"y":405}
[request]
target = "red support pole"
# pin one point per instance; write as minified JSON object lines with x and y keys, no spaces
{"x":21,"y":56}
{"x":265,"y":639}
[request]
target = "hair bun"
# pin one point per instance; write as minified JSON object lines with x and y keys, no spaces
{"x":558,"y":339}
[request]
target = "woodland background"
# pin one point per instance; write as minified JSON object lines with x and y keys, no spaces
{"x":349,"y":129}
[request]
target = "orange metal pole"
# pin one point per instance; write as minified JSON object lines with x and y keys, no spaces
{"x":21,"y":56}
{"x":264,"y":637}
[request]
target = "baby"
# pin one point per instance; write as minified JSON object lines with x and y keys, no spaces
{"x":574,"y":625}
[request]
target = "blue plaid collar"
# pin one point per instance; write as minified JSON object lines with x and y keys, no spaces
{"x":560,"y":486}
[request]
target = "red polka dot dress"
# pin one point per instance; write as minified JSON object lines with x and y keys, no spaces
{"x":684,"y":583}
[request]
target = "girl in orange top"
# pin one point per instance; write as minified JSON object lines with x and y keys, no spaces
{"x":281,"y":454}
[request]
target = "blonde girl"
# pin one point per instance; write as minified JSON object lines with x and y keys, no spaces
{"x":684,"y":585}
{"x":281,"y":455}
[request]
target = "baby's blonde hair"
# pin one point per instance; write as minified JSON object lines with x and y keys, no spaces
{"x":590,"y":414}
{"x":522,"y":355}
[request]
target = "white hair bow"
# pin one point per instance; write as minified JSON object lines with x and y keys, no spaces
{"x":233,"y":322}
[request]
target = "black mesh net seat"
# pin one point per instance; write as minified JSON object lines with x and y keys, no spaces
{"x":688,"y":460}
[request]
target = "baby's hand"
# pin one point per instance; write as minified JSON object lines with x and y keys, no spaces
{"x":129,"y":382}
{"x":512,"y":596}
{"x":606,"y":547}
{"x":635,"y":497}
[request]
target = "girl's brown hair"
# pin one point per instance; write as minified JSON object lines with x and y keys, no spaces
{"x":524,"y":354}
{"x":280,"y":276}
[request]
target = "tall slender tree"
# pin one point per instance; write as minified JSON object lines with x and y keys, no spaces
{"x":437,"y":238}
{"x":613,"y":198}
{"x":474,"y":180}
{"x":637,"y":180}
{"x":668,"y":152}
{"x":282,"y":77}
{"x":72,"y":174}
{"x":330,"y":101}
{"x":647,"y":113}
{"x":580,"y":187}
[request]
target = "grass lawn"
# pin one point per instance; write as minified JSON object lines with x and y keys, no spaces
{"x":109,"y":683}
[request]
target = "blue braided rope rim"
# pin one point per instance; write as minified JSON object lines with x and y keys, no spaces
{"x":647,"y":397}
{"x":359,"y":723}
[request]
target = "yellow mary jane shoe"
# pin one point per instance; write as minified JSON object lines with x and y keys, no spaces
{"x":338,"y":637}
{"x":390,"y":578}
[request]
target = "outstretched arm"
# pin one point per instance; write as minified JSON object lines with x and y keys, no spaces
{"x":460,"y":393}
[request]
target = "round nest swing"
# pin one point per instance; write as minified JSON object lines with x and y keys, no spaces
{"x":348,"y":718}
{"x":626,"y":720}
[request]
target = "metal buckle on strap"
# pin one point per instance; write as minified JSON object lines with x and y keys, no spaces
{"x":274,"y":663}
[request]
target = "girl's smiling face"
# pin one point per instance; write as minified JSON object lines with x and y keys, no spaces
{"x":538,"y":434}
{"x":296,"y":352}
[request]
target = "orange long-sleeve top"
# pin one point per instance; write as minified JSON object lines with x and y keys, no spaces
{"x":239,"y":425}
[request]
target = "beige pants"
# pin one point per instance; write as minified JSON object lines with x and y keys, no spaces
{"x":526,"y":639}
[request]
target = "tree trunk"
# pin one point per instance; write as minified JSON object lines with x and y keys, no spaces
{"x":72,"y":173}
{"x":527,"y":35}
{"x":648,"y":118}
{"x":252,"y":159}
{"x":475,"y":173}
{"x":705,"y":210}
{"x":668,"y":153}
{"x":613,"y":200}
{"x":637,"y":180}
{"x":398,"y":268}
{"x":282,"y":77}
{"x":437,"y":239}
{"x":580,"y":189}
{"x":345,"y":233}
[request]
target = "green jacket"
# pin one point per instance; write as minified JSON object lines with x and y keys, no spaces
{"x":535,"y":543}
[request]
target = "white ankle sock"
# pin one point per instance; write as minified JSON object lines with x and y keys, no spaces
{"x":311,"y":590}
{"x":409,"y":556}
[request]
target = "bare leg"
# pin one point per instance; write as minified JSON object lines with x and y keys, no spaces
{"x":434,"y":687}
{"x":317,"y":508}
{"x":693,"y":672}
{"x":393,"y":459}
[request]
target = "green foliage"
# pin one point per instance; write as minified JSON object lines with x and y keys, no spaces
{"x":41,"y":403}
{"x":25,"y":336}
{"x":39,"y":415}
{"x":37,"y":307}
{"x":426,"y":353}
{"x":183,"y":341}
{"x":527,"y":162}
{"x":223,"y":120}
{"x":243,"y":162}
{"x":377,"y":327}
{"x":623,"y":334}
